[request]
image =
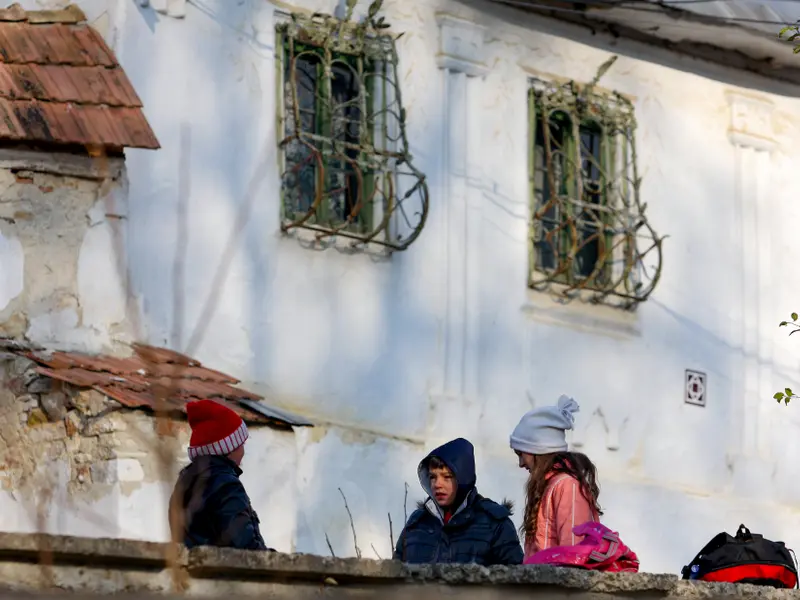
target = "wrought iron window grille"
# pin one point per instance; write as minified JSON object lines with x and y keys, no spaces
{"x":589,"y":236}
{"x":346,"y":168}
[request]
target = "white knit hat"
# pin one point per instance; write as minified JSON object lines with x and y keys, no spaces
{"x":542,"y":430}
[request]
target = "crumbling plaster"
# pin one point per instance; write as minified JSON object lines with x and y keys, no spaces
{"x":60,"y":237}
{"x":103,"y":447}
{"x":71,"y":460}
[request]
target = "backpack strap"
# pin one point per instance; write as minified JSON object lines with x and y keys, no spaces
{"x":744,"y":534}
{"x":796,"y":566}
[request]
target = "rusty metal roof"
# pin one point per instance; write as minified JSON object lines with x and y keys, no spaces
{"x":61,"y":84}
{"x":157,"y":379}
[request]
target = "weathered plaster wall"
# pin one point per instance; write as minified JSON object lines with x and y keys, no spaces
{"x":60,"y":242}
{"x":445,"y":339}
{"x":58,"y":455}
{"x":71,"y":461}
{"x":146,"y":459}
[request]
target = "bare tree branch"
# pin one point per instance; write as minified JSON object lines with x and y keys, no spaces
{"x":376,"y":552}
{"x":405,"y":505}
{"x":352,"y":524}
{"x":391,"y":531}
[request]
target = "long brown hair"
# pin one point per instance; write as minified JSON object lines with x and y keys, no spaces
{"x":572,"y":463}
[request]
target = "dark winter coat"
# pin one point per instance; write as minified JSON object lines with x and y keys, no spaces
{"x":479,"y":531}
{"x":209,"y":507}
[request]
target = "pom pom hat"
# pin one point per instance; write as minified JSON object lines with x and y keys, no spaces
{"x":216,"y":429}
{"x":543,"y":430}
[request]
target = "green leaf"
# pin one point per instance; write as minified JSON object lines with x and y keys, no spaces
{"x":796,"y":50}
{"x":778,"y":396}
{"x":783,"y":324}
{"x":374,"y":8}
{"x":794,"y":316}
{"x":351,"y":5}
{"x":784,"y":30}
{"x":603,"y":70}
{"x":789,"y":392}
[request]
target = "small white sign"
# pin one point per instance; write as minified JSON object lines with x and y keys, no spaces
{"x":696,"y":388}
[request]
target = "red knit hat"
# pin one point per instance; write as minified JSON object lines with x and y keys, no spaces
{"x":216,"y":429}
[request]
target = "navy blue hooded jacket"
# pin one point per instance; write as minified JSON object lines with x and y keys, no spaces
{"x":479,"y":530}
{"x":209,"y":507}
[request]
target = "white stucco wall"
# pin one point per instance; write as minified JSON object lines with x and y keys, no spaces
{"x":269,"y":466}
{"x":361,"y":344}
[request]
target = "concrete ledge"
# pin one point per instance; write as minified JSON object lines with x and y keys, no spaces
{"x":211,"y":562}
{"x":99,"y":551}
{"x":92,"y":566}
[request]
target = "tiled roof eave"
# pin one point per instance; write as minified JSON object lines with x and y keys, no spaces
{"x":60,"y":83}
{"x":155,"y":379}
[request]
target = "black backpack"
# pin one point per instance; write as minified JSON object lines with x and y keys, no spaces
{"x":746,"y":558}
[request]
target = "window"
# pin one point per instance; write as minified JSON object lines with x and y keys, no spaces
{"x":330,"y":110}
{"x":346,"y":170}
{"x":588,"y":231}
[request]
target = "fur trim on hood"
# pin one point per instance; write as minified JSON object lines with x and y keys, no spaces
{"x":508,"y":505}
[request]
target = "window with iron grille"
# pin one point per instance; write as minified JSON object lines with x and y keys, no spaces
{"x":589,"y":235}
{"x":346,"y":168}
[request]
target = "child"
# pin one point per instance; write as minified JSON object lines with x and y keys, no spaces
{"x":562,"y":488}
{"x":456,"y":524}
{"x":209,"y":506}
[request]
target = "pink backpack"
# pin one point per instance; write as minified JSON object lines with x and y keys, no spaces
{"x":601,"y":550}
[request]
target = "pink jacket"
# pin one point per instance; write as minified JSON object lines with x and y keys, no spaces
{"x":563,"y":507}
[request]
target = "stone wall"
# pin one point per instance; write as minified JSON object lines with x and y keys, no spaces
{"x":102,"y":444}
{"x":36,"y":563}
{"x":63,"y":447}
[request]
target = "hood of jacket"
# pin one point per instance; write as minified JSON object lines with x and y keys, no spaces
{"x":459,"y":456}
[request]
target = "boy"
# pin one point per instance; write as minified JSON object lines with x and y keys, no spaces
{"x":456,"y":524}
{"x":209,"y":506}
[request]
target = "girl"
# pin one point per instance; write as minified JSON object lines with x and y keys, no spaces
{"x":562,"y":489}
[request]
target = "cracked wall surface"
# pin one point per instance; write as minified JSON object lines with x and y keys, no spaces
{"x":62,"y":267}
{"x":73,"y":461}
{"x":102,"y":447}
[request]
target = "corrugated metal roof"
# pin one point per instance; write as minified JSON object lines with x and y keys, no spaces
{"x":740,"y":35}
{"x":275,"y":413}
{"x":61,"y":84}
{"x":155,"y":379}
{"x":762,"y":15}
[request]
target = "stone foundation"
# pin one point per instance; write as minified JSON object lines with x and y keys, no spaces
{"x":51,"y":432}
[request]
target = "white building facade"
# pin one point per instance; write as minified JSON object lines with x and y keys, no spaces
{"x":391,"y":353}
